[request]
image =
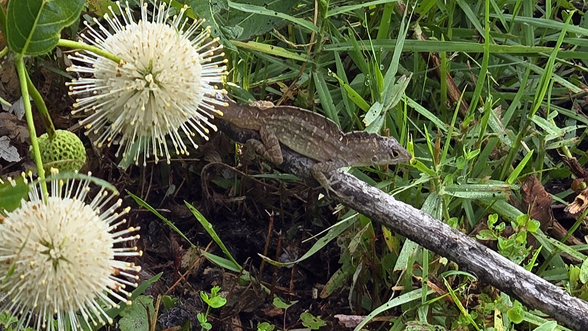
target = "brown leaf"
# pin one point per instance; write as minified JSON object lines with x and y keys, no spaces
{"x":14,"y":128}
{"x":537,"y":201}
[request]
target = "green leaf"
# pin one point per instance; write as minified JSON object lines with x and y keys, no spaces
{"x":265,"y":326}
{"x":11,"y":196}
{"x":516,"y":313}
{"x":168,"y":302}
{"x":134,"y":295}
{"x":145,"y":205}
{"x":203,"y":321}
{"x":271,"y":50}
{"x":547,"y":326}
{"x":486,"y":235}
{"x":135,"y":316}
{"x":248,"y":8}
{"x":333,"y":234}
{"x":352,"y":94}
{"x":312,"y":322}
{"x":208,"y":227}
{"x":253,"y":17}
{"x":338,"y":279}
{"x":279,"y":303}
{"x":33,"y":27}
{"x":515,"y":174}
{"x":411,"y":296}
{"x":217,"y":302}
{"x":584,"y":272}
{"x":350,"y":8}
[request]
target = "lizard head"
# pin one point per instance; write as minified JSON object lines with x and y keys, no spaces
{"x":389,"y":151}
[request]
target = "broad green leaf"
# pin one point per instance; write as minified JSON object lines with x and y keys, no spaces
{"x":33,"y":27}
{"x":113,"y":312}
{"x":311,"y":321}
{"x":11,"y":196}
{"x":136,"y":316}
{"x":209,"y":10}
{"x":261,"y":10}
{"x":246,"y":22}
{"x":279,"y":303}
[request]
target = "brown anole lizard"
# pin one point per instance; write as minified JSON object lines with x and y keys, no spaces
{"x":313,"y":136}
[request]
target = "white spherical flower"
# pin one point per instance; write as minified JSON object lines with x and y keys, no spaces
{"x":60,"y":257}
{"x":162,"y":87}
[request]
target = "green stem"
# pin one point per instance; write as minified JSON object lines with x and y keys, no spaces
{"x":89,"y":48}
{"x":4,"y":102}
{"x":4,"y":51}
{"x":22,"y":76}
{"x":41,"y":106}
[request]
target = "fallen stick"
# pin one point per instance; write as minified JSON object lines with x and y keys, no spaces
{"x":487,"y":265}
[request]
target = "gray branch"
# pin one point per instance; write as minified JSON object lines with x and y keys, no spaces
{"x":487,"y":265}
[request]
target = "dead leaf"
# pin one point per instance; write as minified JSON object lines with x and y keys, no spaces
{"x":7,"y":151}
{"x":16,"y":129}
{"x":537,"y":201}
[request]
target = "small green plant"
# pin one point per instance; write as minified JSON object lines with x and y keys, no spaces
{"x":265,"y":326}
{"x":515,"y":246}
{"x":311,"y":321}
{"x":213,"y":301}
{"x":577,"y":283}
{"x":7,"y":321}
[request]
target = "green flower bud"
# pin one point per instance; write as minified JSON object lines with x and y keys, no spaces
{"x":65,"y":152}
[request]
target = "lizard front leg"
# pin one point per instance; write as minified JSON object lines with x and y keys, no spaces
{"x":318,"y":172}
{"x":269,"y":146}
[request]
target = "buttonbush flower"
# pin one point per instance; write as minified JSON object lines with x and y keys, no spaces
{"x":60,"y":257}
{"x":162,"y":88}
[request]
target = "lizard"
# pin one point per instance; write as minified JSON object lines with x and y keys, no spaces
{"x":314,"y":136}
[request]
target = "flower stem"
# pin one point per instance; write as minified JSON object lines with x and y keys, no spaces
{"x":22,"y":76}
{"x":4,"y":51}
{"x":42,"y":107}
{"x":90,"y":48}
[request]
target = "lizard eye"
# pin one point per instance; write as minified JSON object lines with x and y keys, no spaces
{"x":374,"y":159}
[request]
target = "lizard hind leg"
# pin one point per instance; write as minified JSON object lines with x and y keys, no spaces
{"x":272,"y":153}
{"x":270,"y":148}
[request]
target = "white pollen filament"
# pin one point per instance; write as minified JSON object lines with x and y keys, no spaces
{"x":161,"y":91}
{"x":60,"y":259}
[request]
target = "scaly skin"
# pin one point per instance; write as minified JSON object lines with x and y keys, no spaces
{"x":313,"y":136}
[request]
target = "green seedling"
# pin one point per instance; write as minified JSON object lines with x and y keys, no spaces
{"x":212,"y":301}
